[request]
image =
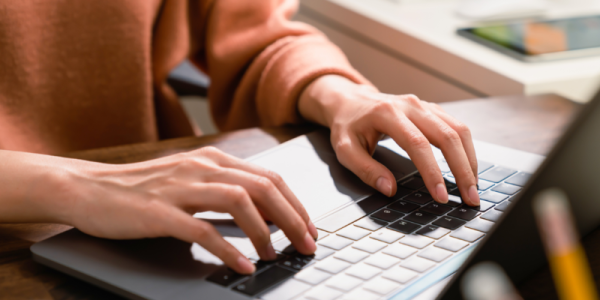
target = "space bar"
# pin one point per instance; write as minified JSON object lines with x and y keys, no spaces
{"x":353,"y":212}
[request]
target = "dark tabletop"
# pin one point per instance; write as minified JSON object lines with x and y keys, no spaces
{"x":531,"y":123}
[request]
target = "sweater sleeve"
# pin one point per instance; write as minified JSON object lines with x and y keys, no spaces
{"x":259,"y":61}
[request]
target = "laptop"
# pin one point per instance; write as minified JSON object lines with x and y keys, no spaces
{"x":369,"y":246}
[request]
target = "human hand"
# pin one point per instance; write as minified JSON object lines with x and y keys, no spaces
{"x":358,"y":116}
{"x":157,"y":199}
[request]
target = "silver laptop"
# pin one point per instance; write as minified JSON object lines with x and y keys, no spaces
{"x":369,"y":246}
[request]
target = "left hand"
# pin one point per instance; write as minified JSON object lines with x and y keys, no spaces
{"x":358,"y":116}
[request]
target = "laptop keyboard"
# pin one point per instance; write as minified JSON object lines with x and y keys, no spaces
{"x":378,"y":246}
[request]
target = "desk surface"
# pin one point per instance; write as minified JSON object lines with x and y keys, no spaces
{"x":526,"y":123}
{"x":424,"y":32}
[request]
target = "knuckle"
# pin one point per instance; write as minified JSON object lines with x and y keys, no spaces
{"x":412,"y":100}
{"x":369,"y":173}
{"x":383,"y":105}
{"x":450,"y":136}
{"x":462,"y":129}
{"x":418,"y":141}
{"x":264,"y":183}
{"x":274,"y":177}
{"x":343,"y":145}
{"x":237,"y":195}
{"x":209,"y":151}
{"x":203,"y":231}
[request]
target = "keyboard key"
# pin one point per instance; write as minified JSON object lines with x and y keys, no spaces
{"x":436,"y":209}
{"x":420,"y":217}
{"x":332,"y":265}
{"x":225,"y":276}
{"x":483,"y":166}
{"x":492,"y":215}
{"x":261,"y":281}
{"x":312,"y":276}
{"x":399,"y":251}
{"x":351,"y":255}
{"x":322,"y":293}
{"x":387,"y":235}
{"x":418,"y":264}
{"x":506,"y":188}
{"x":370,"y":224}
{"x":435,"y":254}
{"x":404,"y":227}
{"x":492,"y":196}
{"x":382,"y":261}
{"x":454,"y":201}
{"x":284,"y":246}
{"x":322,"y":252}
{"x":353,"y":233}
{"x":381,"y":286}
{"x":335,"y":242}
{"x":353,"y":212}
{"x":387,"y":215}
{"x":519,"y":179}
{"x":464,"y":213}
{"x":417,"y":241}
{"x":419,"y":198}
{"x":401,"y":192}
{"x":443,"y":166}
{"x":449,"y":222}
{"x":497,"y":174}
{"x":467,"y":234}
{"x":451,"y":244}
{"x":484,"y":184}
{"x":344,"y":282}
{"x":433,"y":232}
{"x":502,"y":206}
{"x":414,"y":183}
{"x":361,"y":294}
{"x":261,"y":264}
{"x":363,"y":271}
{"x":483,"y":206}
{"x":287,"y":290}
{"x":369,"y":245}
{"x":296,"y":262}
{"x":400,"y":274}
{"x":322,"y":234}
{"x":480,"y":224}
{"x":403,"y":206}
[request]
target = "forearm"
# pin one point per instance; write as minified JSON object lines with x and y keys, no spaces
{"x":35,"y":187}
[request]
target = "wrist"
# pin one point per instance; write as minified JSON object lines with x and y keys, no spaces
{"x":324,"y":98}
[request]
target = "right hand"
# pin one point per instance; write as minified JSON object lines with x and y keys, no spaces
{"x":157,"y":198}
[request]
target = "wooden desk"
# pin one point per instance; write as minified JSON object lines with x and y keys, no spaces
{"x":526,"y":123}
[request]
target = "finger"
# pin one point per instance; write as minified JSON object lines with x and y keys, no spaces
{"x":269,"y":199}
{"x":444,"y":137}
{"x":412,"y":140}
{"x":235,"y":200}
{"x":182,"y":226}
{"x":228,"y":161}
{"x":353,"y":155}
{"x":464,"y":133}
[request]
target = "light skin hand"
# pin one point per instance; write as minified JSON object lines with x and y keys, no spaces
{"x":358,"y":116}
{"x":157,"y":199}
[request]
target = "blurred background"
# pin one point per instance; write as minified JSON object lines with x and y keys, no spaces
{"x":417,"y":47}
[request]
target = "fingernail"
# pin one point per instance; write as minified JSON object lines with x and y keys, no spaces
{"x":442,"y":193}
{"x":473,"y":195}
{"x":245,"y":266}
{"x":309,"y":243}
{"x":270,"y":252}
{"x":313,"y":230}
{"x":384,"y":186}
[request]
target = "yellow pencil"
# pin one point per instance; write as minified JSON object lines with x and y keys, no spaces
{"x":567,"y":259}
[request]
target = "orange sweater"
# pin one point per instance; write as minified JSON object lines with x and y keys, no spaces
{"x":78,"y":74}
